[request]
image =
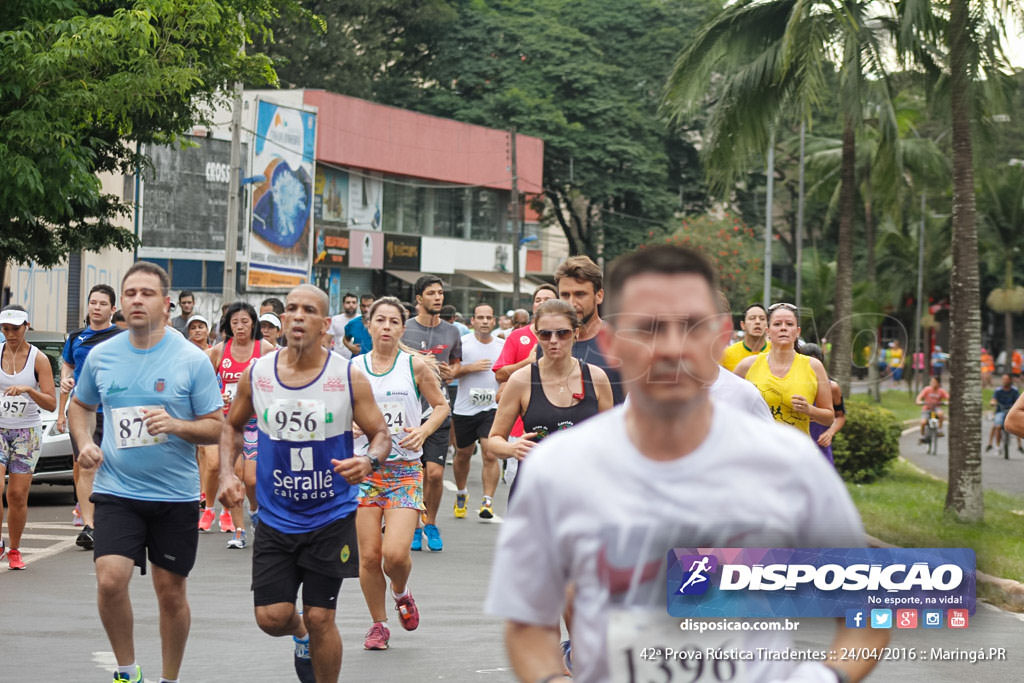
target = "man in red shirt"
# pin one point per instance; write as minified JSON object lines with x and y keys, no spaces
{"x":931,"y":398}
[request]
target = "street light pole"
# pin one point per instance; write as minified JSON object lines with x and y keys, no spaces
{"x":920,"y":292}
{"x":800,"y":220}
{"x":234,"y":188}
{"x":769,"y":192}
{"x":514,"y":207}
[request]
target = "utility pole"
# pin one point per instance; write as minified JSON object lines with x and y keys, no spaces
{"x":769,"y":195}
{"x":514,"y":206}
{"x":919,"y":312}
{"x":234,"y":189}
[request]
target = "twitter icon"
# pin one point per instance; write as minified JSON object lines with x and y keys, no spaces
{"x":881,"y":618}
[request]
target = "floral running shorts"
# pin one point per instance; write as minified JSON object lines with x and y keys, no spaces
{"x":250,"y":437}
{"x":397,"y":484}
{"x":20,"y":449}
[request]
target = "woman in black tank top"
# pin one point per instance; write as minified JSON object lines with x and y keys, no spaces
{"x":554,"y":393}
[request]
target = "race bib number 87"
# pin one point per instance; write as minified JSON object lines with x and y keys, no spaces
{"x":296,"y":420}
{"x":130,"y":427}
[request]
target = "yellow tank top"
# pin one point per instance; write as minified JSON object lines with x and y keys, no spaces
{"x":778,"y":392}
{"x":734,"y":353}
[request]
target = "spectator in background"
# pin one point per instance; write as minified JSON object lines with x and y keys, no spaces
{"x":119,"y":320}
{"x":504,"y":326}
{"x":1003,"y":399}
{"x":450,"y":315}
{"x":357,"y":338}
{"x":271,"y":305}
{"x":336,"y":330}
{"x":187,"y":304}
{"x":270,"y":325}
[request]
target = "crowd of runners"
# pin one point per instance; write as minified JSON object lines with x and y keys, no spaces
{"x":325,"y":439}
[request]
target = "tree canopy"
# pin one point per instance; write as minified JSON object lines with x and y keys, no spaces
{"x":84,"y":82}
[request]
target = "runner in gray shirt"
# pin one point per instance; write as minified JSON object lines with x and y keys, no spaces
{"x":429,"y":335}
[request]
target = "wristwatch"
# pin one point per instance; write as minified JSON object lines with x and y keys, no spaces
{"x":374,"y":462}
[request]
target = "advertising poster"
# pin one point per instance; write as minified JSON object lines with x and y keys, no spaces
{"x":366,"y":249}
{"x":402,"y":252}
{"x":365,"y":199}
{"x":330,"y":200}
{"x":281,"y":239}
{"x":331,"y":247}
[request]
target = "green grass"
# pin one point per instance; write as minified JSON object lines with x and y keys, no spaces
{"x":905,"y":508}
{"x":902,"y":405}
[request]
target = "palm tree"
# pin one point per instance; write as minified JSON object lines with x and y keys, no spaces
{"x":1001,"y":210}
{"x":769,"y":57}
{"x":961,"y":44}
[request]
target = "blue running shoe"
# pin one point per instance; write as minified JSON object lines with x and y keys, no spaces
{"x":433,"y":537}
{"x":566,"y":646}
{"x":417,"y":540}
{"x":303,"y":662}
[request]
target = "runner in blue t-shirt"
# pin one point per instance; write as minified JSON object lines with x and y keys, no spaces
{"x":1003,"y":399}
{"x":78,"y":345}
{"x":161,"y":399}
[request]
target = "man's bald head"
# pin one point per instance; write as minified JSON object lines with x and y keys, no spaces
{"x":323,"y":300}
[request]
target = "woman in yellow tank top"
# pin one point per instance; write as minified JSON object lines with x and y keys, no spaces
{"x":794,"y":386}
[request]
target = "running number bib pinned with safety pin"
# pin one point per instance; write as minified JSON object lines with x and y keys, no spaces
{"x":13,"y":406}
{"x":130,"y":427}
{"x":647,"y":645}
{"x":296,"y":420}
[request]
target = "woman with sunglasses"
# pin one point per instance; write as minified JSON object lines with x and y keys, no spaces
{"x":794,"y":386}
{"x":556,"y":392}
{"x":393,"y":493}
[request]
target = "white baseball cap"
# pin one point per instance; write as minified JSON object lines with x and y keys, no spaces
{"x":272,"y":319}
{"x":197,"y":318}
{"x":13,"y":317}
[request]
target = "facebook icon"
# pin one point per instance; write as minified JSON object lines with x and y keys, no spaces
{"x":855,"y":618}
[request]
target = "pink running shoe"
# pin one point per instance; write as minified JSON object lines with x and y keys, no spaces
{"x":226,"y":525}
{"x":408,"y":612}
{"x":206,"y":519}
{"x":14,"y":559}
{"x":76,"y":516}
{"x":377,"y":637}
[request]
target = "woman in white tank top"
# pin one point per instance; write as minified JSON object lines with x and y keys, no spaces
{"x":394,"y":492}
{"x":26,"y":385}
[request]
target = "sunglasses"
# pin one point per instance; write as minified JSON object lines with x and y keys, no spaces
{"x":560,"y":334}
{"x":788,"y":307}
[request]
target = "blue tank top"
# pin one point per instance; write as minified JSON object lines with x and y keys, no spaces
{"x":301,"y":429}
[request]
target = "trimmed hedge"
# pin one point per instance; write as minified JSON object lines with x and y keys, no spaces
{"x":867,"y":444}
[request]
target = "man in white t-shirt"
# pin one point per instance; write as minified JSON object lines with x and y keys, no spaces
{"x":600,"y":506}
{"x":475,"y":405}
{"x":336,"y":331}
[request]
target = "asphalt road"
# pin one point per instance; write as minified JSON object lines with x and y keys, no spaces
{"x":50,"y":630}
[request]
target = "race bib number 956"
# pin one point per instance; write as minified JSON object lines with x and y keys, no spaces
{"x":296,"y":420}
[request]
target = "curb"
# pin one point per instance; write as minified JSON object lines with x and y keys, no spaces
{"x":1009,"y":591}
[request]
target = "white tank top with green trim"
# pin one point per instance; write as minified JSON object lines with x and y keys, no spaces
{"x":398,"y":398}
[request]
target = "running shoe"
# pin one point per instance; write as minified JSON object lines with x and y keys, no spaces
{"x":377,"y":637}
{"x":417,"y":540}
{"x":433,"y":535}
{"x":303,"y":661}
{"x":206,"y":520}
{"x":254,"y":519}
{"x":76,"y":516}
{"x":226,"y":525}
{"x":460,"y":505}
{"x":449,"y":456}
{"x":3,"y":550}
{"x":487,"y":509}
{"x":85,"y":540}
{"x":408,"y":612}
{"x":133,"y":678}
{"x":238,"y":541}
{"x":14,"y":560}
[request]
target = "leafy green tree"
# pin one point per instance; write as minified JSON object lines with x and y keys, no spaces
{"x":85,"y":81}
{"x":1000,"y":194}
{"x":373,"y":49}
{"x":769,"y":58}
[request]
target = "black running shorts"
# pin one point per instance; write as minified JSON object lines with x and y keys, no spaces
{"x":131,"y":528}
{"x":469,"y":428}
{"x":435,"y":448}
{"x":318,"y":560}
